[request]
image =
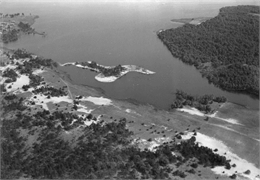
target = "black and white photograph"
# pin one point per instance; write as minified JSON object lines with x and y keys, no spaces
{"x":129,"y":89}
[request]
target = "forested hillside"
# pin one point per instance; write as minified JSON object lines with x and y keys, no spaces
{"x":225,"y":48}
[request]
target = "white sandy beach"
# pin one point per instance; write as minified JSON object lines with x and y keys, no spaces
{"x":98,"y":100}
{"x":241,"y":164}
{"x":104,"y":79}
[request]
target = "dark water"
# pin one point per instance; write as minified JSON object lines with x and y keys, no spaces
{"x":121,"y":33}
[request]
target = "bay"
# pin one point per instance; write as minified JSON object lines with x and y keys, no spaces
{"x":112,"y":33}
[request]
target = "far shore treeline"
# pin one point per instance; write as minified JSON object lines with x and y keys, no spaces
{"x":225,"y":49}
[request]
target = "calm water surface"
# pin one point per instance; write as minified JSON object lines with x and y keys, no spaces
{"x":121,"y":33}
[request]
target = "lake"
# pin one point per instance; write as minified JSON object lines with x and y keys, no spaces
{"x":115,"y":33}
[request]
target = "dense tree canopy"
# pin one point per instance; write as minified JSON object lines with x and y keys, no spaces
{"x":225,"y":48}
{"x":103,"y":150}
{"x":113,"y":71}
{"x":202,"y":103}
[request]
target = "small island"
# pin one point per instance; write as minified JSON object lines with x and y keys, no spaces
{"x":109,"y":73}
{"x":13,"y":25}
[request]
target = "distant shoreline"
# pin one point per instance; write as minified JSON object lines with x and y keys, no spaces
{"x":13,"y":25}
{"x":194,"y":21}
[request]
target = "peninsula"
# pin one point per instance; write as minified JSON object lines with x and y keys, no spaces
{"x":108,"y":73}
{"x":13,"y":25}
{"x":225,"y":49}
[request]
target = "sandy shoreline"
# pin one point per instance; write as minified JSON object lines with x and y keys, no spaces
{"x":241,"y":164}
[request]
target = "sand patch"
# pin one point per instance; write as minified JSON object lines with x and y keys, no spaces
{"x":229,"y":120}
{"x":20,"y":81}
{"x":97,"y":100}
{"x":241,"y":164}
{"x":42,"y":100}
{"x":89,"y":122}
{"x":102,"y":78}
{"x":151,"y":145}
{"x":192,"y":111}
{"x":84,"y":109}
{"x":143,"y":143}
{"x":9,"y":66}
{"x":38,"y":71}
{"x":132,"y":112}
